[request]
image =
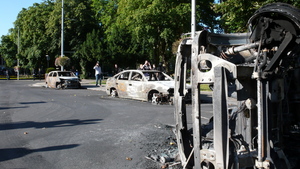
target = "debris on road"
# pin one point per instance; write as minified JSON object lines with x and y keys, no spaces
{"x":128,"y":158}
{"x":166,"y":151}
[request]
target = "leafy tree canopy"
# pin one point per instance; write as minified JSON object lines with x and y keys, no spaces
{"x":8,"y":50}
{"x":116,"y":31}
{"x":235,"y":13}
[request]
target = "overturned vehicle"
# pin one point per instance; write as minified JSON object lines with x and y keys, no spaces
{"x":259,"y":72}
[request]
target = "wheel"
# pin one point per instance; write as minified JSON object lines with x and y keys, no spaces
{"x":58,"y":86}
{"x":152,"y":98}
{"x":171,"y":101}
{"x":113,"y":93}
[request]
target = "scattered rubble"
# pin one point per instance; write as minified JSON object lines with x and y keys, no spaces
{"x":165,"y":152}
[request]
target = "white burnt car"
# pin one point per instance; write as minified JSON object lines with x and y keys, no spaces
{"x":146,"y":85}
{"x":62,"y":80}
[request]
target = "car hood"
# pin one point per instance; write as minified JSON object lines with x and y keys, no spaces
{"x":68,"y":78}
{"x":169,"y":84}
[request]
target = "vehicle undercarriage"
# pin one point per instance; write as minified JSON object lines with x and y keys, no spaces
{"x":260,"y":71}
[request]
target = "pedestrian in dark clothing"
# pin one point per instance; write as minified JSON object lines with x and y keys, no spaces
{"x":116,"y":69}
{"x":147,"y":65}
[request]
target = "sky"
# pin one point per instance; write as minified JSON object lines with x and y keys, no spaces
{"x":9,"y":10}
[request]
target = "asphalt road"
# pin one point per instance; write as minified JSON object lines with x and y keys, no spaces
{"x":44,"y":128}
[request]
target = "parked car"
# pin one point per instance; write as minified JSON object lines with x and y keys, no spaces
{"x":62,"y":80}
{"x":146,"y":85}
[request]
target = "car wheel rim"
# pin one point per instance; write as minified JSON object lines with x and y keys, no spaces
{"x":113,"y":93}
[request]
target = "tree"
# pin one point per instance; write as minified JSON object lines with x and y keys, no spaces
{"x":116,"y":40}
{"x":90,"y":51}
{"x":146,"y":29}
{"x":111,"y":31}
{"x":235,"y":13}
{"x":40,"y":33}
{"x":30,"y":32}
{"x":79,"y":20}
{"x":8,"y":50}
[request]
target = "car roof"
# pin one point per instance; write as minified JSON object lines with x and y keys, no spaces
{"x":137,"y":70}
{"x":59,"y":71}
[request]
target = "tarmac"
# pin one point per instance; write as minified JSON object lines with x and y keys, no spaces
{"x":85,"y":84}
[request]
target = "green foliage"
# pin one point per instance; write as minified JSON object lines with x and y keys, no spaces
{"x":8,"y":50}
{"x":62,"y":61}
{"x":116,"y":31}
{"x":235,"y":13}
{"x":91,"y":50}
{"x":50,"y":69}
{"x":111,"y":31}
{"x":30,"y":32}
{"x":145,"y":29}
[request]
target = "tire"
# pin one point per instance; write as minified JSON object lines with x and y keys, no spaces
{"x":150,"y":96}
{"x":58,"y":86}
{"x":113,"y":93}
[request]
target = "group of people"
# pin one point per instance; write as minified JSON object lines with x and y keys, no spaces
{"x":98,"y":72}
{"x":145,"y":66}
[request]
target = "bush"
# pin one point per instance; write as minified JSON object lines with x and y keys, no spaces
{"x":50,"y":69}
{"x":62,"y":61}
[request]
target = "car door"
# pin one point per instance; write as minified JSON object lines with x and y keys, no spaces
{"x":53,"y":80}
{"x":48,"y":79}
{"x":122,"y":84}
{"x":136,"y":86}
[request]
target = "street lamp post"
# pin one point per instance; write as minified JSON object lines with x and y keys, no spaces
{"x":62,"y":32}
{"x":48,"y":58}
{"x":18,"y":61}
{"x":193,"y":21}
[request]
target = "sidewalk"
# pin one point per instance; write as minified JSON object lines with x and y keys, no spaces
{"x":89,"y":84}
{"x":85,"y":84}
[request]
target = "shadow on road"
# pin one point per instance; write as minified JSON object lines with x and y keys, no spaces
{"x":25,"y":103}
{"x":13,"y":153}
{"x":48,"y":124}
{"x":32,"y":102}
{"x":20,"y":107}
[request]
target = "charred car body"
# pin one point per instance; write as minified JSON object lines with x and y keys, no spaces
{"x":62,"y":80}
{"x":146,"y":85}
{"x":260,"y":71}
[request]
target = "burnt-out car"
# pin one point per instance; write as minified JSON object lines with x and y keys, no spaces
{"x":146,"y":85}
{"x":62,"y":80}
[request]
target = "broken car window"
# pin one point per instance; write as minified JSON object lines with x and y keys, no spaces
{"x":136,"y":76}
{"x":124,"y":76}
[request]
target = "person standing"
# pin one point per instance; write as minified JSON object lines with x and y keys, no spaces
{"x":147,"y":65}
{"x":98,"y":73}
{"x":7,"y":74}
{"x":116,"y":69}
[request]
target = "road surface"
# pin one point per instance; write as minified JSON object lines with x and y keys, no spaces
{"x":80,"y":128}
